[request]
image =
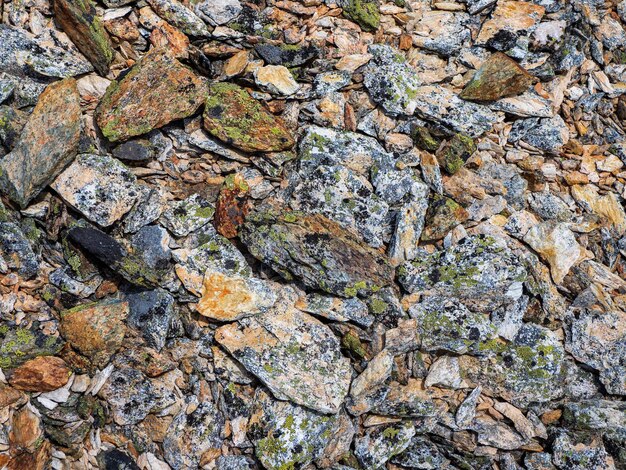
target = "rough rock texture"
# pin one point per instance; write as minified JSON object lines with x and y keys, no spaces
{"x":47,"y":144}
{"x":157,"y":90}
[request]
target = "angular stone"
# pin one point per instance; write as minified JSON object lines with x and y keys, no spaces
{"x":47,"y":144}
{"x":579,"y":452}
{"x":443,"y":215}
{"x":18,"y":345}
{"x":498,"y":77}
{"x":421,"y":454}
{"x":380,"y":444}
{"x":151,"y":312}
{"x":289,"y":436}
{"x":96,"y":329}
{"x":363,"y":12}
{"x":556,"y":243}
{"x":295,"y":355}
{"x":317,"y":251}
{"x":233,"y":116}
{"x":286,"y":54}
{"x":219,"y":12}
{"x":445,"y":323}
{"x":547,"y":134}
{"x":439,"y":104}
{"x":276,"y":79}
{"x":156,"y":91}
{"x":606,"y":206}
{"x":369,"y":388}
{"x":17,"y":251}
{"x":23,"y":54}
{"x":412,"y":400}
{"x":12,"y":122}
{"x":190,"y":436}
{"x":480,"y":271}
{"x":41,"y":374}
{"x":188,"y":215}
{"x":177,"y":14}
{"x":509,"y":20}
{"x":232,"y":206}
{"x":99,"y":187}
{"x":81,"y":23}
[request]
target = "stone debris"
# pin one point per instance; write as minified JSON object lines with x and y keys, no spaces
{"x":328,"y":234}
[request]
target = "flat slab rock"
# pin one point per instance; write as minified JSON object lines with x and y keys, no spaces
{"x":294,"y":354}
{"x":99,"y":187}
{"x":47,"y":144}
{"x":156,"y":91}
{"x":316,"y":250}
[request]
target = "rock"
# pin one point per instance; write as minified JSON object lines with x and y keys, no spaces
{"x":190,"y":436}
{"x":421,"y":454}
{"x":188,"y":215}
{"x":12,"y":123}
{"x":335,"y":308}
{"x":180,"y":16}
{"x":445,"y":372}
{"x":527,"y":369}
{"x":443,"y":215}
{"x":509,"y":20}
{"x":447,"y":324}
{"x":497,"y":434}
{"x":606,"y":206}
{"x":287,"y":435}
{"x":41,"y":374}
{"x":597,"y":340}
{"x":548,"y":134}
{"x":391,"y":82}
{"x":363,"y":12}
{"x":555,"y":243}
{"x":480,"y":271}
{"x":466,"y":411}
{"x":286,"y":54}
{"x":219,"y":12}
{"x":229,"y":298}
{"x":576,"y":454}
{"x":151,"y":312}
{"x":151,"y":245}
{"x":369,"y":388}
{"x":47,"y":144}
{"x":156,"y":91}
{"x":296,"y":356}
{"x":99,"y":187}
{"x":412,"y":400}
{"x":17,"y":251}
{"x":234,"y":462}
{"x":498,"y":77}
{"x":18,"y":345}
{"x":23,"y":54}
{"x":276,"y":79}
{"x":456,"y":152}
{"x":138,"y":150}
{"x":81,"y":23}
{"x":410,"y":221}
{"x":232,"y":206}
{"x":380,"y":444}
{"x":96,"y":329}
{"x":114,"y":459}
{"x":317,"y":251}
{"x":236,"y":118}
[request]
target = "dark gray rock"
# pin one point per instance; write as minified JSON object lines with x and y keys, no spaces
{"x":151,"y":313}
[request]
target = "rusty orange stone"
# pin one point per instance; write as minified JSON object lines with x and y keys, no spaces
{"x":232,"y":206}
{"x":42,"y":374}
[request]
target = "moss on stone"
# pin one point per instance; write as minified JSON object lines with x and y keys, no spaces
{"x":363,"y":12}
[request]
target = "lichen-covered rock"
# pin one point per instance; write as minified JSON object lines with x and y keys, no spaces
{"x":218,"y":12}
{"x":192,"y":435}
{"x":99,"y":187}
{"x":235,"y":117}
{"x":412,"y":400}
{"x":186,"y":216}
{"x":421,"y":454}
{"x":509,"y":20}
{"x":151,"y":312}
{"x":23,"y":54}
{"x":456,"y":152}
{"x":96,"y":329}
{"x":598,"y":339}
{"x":370,"y":388}
{"x":335,"y":308}
{"x":436,"y":103}
{"x":606,"y":206}
{"x":232,"y":206}
{"x":498,"y":77}
{"x":317,"y":251}
{"x":17,"y":251}
{"x":81,"y":23}
{"x":480,"y":271}
{"x":179,"y":15}
{"x":156,"y":91}
{"x":445,"y":323}
{"x":286,"y":435}
{"x":380,"y":444}
{"x":528,"y":369}
{"x":363,"y":12}
{"x":295,"y":355}
{"x":547,"y":134}
{"x":581,"y":453}
{"x":443,"y":215}
{"x":47,"y":144}
{"x":391,"y":82}
{"x":19,"y":344}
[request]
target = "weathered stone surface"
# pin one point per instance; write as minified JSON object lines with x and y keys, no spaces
{"x":19,"y":345}
{"x":232,"y":206}
{"x":82,"y":24}
{"x":606,"y":206}
{"x":317,"y":251}
{"x":442,"y":216}
{"x":219,"y":12}
{"x":581,"y":452}
{"x":99,"y":187}
{"x":151,"y":312}
{"x":363,"y":12}
{"x":382,"y":443}
{"x":509,"y":20}
{"x":288,"y":436}
{"x":179,"y":15}
{"x":498,"y":77}
{"x":480,"y":271}
{"x":47,"y":144}
{"x":295,"y":355}
{"x":156,"y":91}
{"x":233,"y":116}
{"x":421,"y":454}
{"x":96,"y":329}
{"x":41,"y":374}
{"x":24,"y":54}
{"x":547,"y":134}
{"x":276,"y":79}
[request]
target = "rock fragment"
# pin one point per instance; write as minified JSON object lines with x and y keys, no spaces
{"x":180,"y":16}
{"x":47,"y":144}
{"x":41,"y":374}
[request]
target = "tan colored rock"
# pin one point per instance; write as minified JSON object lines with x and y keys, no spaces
{"x":236,"y":64}
{"x":95,"y":329}
{"x":606,"y":206}
{"x":350,"y":63}
{"x":42,"y":374}
{"x":276,"y":79}
{"x":511,"y":17}
{"x":9,"y":395}
{"x":25,"y":430}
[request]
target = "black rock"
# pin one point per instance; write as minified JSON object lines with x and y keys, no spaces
{"x":151,"y":312}
{"x":116,"y":460}
{"x":287,"y":55}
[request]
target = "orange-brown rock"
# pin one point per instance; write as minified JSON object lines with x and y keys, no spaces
{"x":9,"y":395}
{"x":25,"y":430}
{"x":47,"y":144}
{"x":156,"y":91}
{"x":235,"y":117}
{"x":232,"y":206}
{"x":42,"y":374}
